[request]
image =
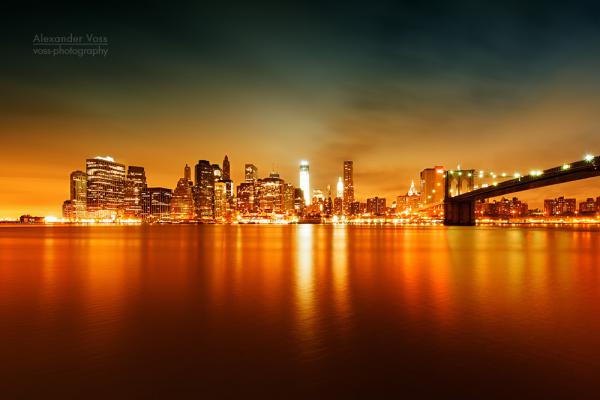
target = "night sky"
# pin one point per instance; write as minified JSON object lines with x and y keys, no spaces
{"x":394,"y":87}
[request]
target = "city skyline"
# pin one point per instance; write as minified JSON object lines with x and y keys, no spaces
{"x":579,"y":190}
{"x":105,"y":193}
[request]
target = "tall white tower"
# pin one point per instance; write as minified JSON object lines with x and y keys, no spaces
{"x":340,"y":188}
{"x":305,"y":181}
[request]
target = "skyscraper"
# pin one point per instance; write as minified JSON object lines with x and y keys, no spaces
{"x":376,"y":206}
{"x":270,"y":193}
{"x":305,"y":181}
{"x":221,"y":208}
{"x":204,"y":190}
{"x":432,"y":185}
{"x":288,"y":197}
{"x":105,"y":187}
{"x":134,"y":186}
{"x":348,"y":186}
{"x":250,"y":173}
{"x":226,"y":169}
{"x":182,"y":202}
{"x":78,"y":189}
{"x":156,"y":204}
{"x":245,"y":198}
{"x":340,"y":188}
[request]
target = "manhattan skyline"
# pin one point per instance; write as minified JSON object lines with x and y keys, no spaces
{"x":396,"y":88}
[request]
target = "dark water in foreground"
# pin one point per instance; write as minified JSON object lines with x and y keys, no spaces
{"x":287,"y":311}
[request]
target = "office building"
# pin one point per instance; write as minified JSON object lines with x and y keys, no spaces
{"x":245,"y":198}
{"x":221,"y":209}
{"x":78,"y":195}
{"x":135,"y":184}
{"x":288,"y":197}
{"x":182,"y":202}
{"x":271,"y":194}
{"x":376,"y":206}
{"x":156,"y":204}
{"x":432,"y":185}
{"x":105,"y":191}
{"x":348,"y":186}
{"x":204,"y":191}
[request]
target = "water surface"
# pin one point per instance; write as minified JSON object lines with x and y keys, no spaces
{"x":294,"y":311}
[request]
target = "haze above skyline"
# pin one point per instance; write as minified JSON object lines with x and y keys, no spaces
{"x":394,"y":87}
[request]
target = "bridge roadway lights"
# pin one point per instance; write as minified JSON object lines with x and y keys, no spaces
{"x":460,"y":213}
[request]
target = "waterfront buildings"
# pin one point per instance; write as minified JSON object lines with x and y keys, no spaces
{"x":305,"y":181}
{"x":588,"y":207}
{"x":560,"y":207}
{"x":503,"y":208}
{"x":105,"y":191}
{"x":348,"y":195}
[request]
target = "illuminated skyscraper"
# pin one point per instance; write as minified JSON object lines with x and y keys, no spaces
{"x":245,"y":198}
{"x":299,"y":204}
{"x":376,"y":206}
{"x":226,"y":178}
{"x":105,"y":187}
{"x":288,"y":197}
{"x":432,"y":185}
{"x":221,"y":203}
{"x":78,"y":189}
{"x":134,"y":186}
{"x":338,"y":206}
{"x":204,"y":192}
{"x":156,"y":204}
{"x":305,"y":181}
{"x":348,"y":186}
{"x":340,"y":188}
{"x":250,"y":173}
{"x":270,"y":193}
{"x":182,"y":202}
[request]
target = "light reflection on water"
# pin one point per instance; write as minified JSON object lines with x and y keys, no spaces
{"x":296,"y":310}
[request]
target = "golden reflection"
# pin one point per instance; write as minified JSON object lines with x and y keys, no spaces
{"x":305,"y":288}
{"x":340,"y":276}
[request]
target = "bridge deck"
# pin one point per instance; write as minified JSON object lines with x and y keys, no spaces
{"x":575,"y":171}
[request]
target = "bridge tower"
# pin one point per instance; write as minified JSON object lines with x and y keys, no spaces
{"x":459,"y":212}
